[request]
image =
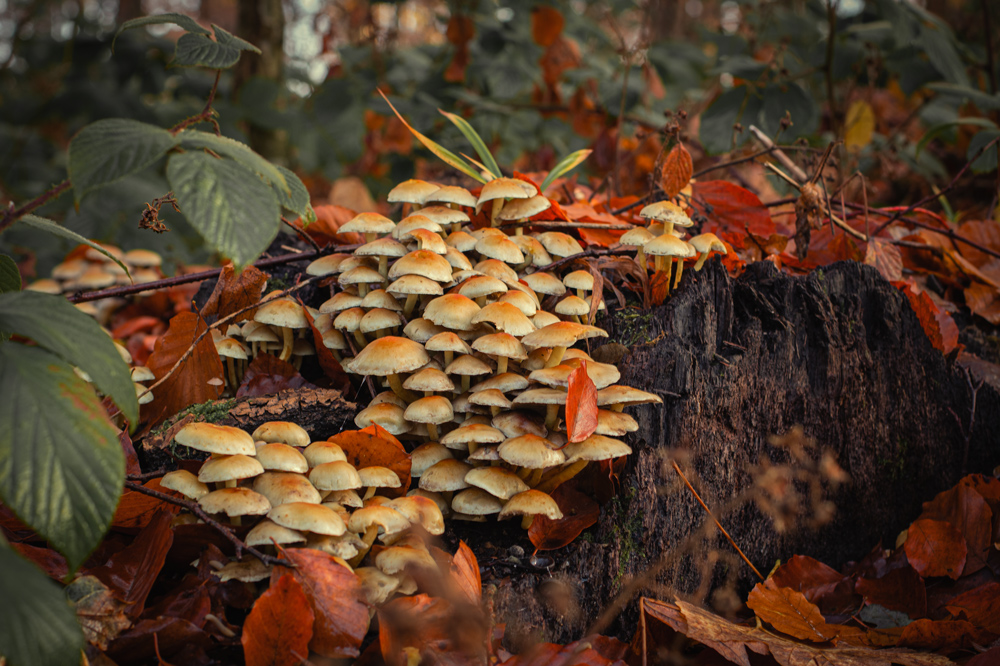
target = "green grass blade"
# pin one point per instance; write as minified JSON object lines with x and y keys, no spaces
{"x":565,"y":165}
{"x":477,"y":142}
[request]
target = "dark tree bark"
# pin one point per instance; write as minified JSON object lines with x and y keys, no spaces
{"x":262,"y":23}
{"x":839,"y":352}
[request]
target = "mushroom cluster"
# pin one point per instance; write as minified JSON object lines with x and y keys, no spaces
{"x":93,"y":270}
{"x":663,"y":241}
{"x":308,"y":496}
{"x":449,"y":320}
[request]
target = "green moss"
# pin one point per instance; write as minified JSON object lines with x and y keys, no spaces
{"x":277,"y":284}
{"x":635,"y":327}
{"x":210,"y":412}
{"x":626,"y":533}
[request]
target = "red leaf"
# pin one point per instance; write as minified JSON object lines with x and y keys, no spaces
{"x":131,"y":459}
{"x":827,"y":588}
{"x":546,"y":24}
{"x":325,"y":229}
{"x":136,"y":510}
{"x":677,"y":170}
{"x":364,"y":449}
{"x":465,"y":571}
{"x":278,"y":630}
{"x":189,"y":385}
{"x":130,"y":573}
{"x":729,"y":207}
{"x":969,"y":513}
{"x":334,"y":594}
{"x":375,"y":430}
{"x":130,"y":327}
{"x":48,"y":560}
{"x":234,"y":292}
{"x":327,"y":361}
{"x":980,"y":606}
{"x":579,"y":513}
{"x":937,"y":324}
{"x":659,"y":286}
{"x":267,"y":375}
{"x":935,"y":548}
{"x":581,"y":405}
{"x":900,"y":590}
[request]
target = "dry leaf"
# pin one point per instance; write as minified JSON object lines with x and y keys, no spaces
{"x":885,"y":257}
{"x":935,"y":548}
{"x":234,"y":292}
{"x":278,"y":630}
{"x":581,"y":405}
{"x":677,"y":170}
{"x":790,"y":612}
{"x":100,"y":614}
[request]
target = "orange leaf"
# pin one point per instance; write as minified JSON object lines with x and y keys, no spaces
{"x":822,"y":585}
{"x":189,"y":385}
{"x":278,"y":629}
{"x":581,"y":405}
{"x":677,"y":170}
{"x":234,"y":292}
{"x":335,"y":597}
{"x":730,"y":207}
{"x":363,"y":449}
{"x":135,"y":510}
{"x":329,"y":219}
{"x":790,"y":612}
{"x":659,"y":285}
{"x":901,"y":590}
{"x":969,"y":513}
{"x":885,"y":257}
{"x":980,"y":606}
{"x":948,"y":635}
{"x":465,"y":571}
{"x":579,"y":513}
{"x":935,"y":548}
{"x":376,"y":430}
{"x":937,"y":324}
{"x":267,"y":375}
{"x":546,"y":24}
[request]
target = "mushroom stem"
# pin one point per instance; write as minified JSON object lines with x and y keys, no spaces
{"x":369,"y":493}
{"x":668,"y":228}
{"x":501,"y":364}
{"x":432,"y":430}
{"x":449,"y":356}
{"x":564,"y":475}
{"x":535,"y":477}
{"x":523,"y":473}
{"x":369,"y":539}
{"x":617,"y":408}
{"x":495,"y":211}
{"x":555,"y":357}
{"x":526,"y":522}
{"x":640,"y":258}
{"x":473,"y":447}
{"x":231,"y":368}
{"x":397,"y":387}
{"x":383,"y":265}
{"x":287,"y":342}
{"x":701,"y":261}
{"x":551,"y":417}
{"x":519,"y":230}
{"x":411,"y":301}
{"x":466,"y":381}
{"x":370,"y":236}
{"x":359,"y":337}
{"x":362,"y":289}
{"x":297,"y":362}
{"x":680,"y":271}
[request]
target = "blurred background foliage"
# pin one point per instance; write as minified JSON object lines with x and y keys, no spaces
{"x":537,"y":80}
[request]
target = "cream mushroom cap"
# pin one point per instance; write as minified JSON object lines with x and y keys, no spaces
{"x":284,"y":432}
{"x":531,"y":503}
{"x":212,"y":438}
{"x":235,"y":502}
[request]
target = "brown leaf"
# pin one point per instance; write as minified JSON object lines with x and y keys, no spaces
{"x":267,"y":374}
{"x":945,"y":635}
{"x":364,"y":449}
{"x":189,"y":385}
{"x":432,"y":626}
{"x":135,"y":510}
{"x":790,"y":612}
{"x":581,"y":405}
{"x":901,"y":590}
{"x":935,"y":548}
{"x":101,"y":616}
{"x":969,"y":513}
{"x":278,"y":629}
{"x":732,"y":641}
{"x":334,"y":593}
{"x":827,"y":588}
{"x":325,"y":229}
{"x":937,"y":324}
{"x":579,"y":513}
{"x":130,"y":573}
{"x":730,"y":207}
{"x":234,"y":292}
{"x":980,"y":606}
{"x":677,"y":170}
{"x":52,"y":563}
{"x":659,"y":286}
{"x":546,"y":24}
{"x":327,"y":361}
{"x":465,"y":571}
{"x":885,"y":257}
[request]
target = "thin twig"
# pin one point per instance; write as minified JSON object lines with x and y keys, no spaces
{"x":301,"y":233}
{"x":596,"y":252}
{"x":558,"y":224}
{"x":194,"y":508}
{"x":12,"y":214}
{"x":147,"y":475}
{"x":779,"y":155}
{"x":207,"y":114}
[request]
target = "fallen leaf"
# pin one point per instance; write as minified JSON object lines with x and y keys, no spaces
{"x":900,"y":590}
{"x":789,"y":612}
{"x":135,"y":509}
{"x":945,"y":635}
{"x":100,"y":614}
{"x":267,"y":374}
{"x":190,"y":383}
{"x":52,"y":563}
{"x":421,"y":624}
{"x":465,"y":571}
{"x":336,"y":599}
{"x":659,"y":287}
{"x":885,"y":257}
{"x":166,"y":635}
{"x":234,"y":292}
{"x":332,"y":368}
{"x":579,"y":513}
{"x":131,"y":459}
{"x":730,"y":207}
{"x":581,"y":405}
{"x":859,"y":125}
{"x":968,"y":512}
{"x":937,"y":324}
{"x":935,"y":548}
{"x":677,"y":170}
{"x":367,"y":450}
{"x":980,"y":606}
{"x":278,"y":629}
{"x":325,"y":229}
{"x":824,"y":586}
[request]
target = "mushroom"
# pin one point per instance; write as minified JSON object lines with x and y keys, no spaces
{"x":559,"y":337}
{"x":227,"y":470}
{"x":376,"y":477}
{"x":499,"y":190}
{"x":413,"y":287}
{"x":235,"y":502}
{"x":595,"y":447}
{"x":216,"y":439}
{"x":387,"y":357}
{"x":529,"y":504}
{"x":286,"y":315}
{"x":412,"y":193}
{"x":667,"y":212}
{"x":284,"y":432}
{"x":501,"y":347}
{"x":284,"y":487}
{"x":383,"y":249}
{"x":704,"y":244}
{"x":432,"y":411}
{"x":520,"y":210}
{"x":370,"y":224}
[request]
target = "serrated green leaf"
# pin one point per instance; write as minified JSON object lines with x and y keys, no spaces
{"x":110,"y":149}
{"x":443,"y":153}
{"x":59,"y":230}
{"x":61,"y":467}
{"x":477,"y":142}
{"x":564,"y":166}
{"x":935,"y":131}
{"x":229,"y":39}
{"x":53,"y":323}
{"x":197,"y":50}
{"x":185,"y":22}
{"x":10,"y":277}
{"x":37,"y":625}
{"x":297,"y":198}
{"x":235,"y":150}
{"x":716,"y":130}
{"x":229,"y":205}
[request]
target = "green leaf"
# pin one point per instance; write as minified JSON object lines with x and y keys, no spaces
{"x":939,"y":45}
{"x":564,"y":166}
{"x":716,"y":131}
{"x":477,"y":142}
{"x":297,"y":199}
{"x":53,"y":323}
{"x":984,"y":101}
{"x":235,"y":150}
{"x":443,"y":153}
{"x":59,"y":230}
{"x":789,"y":98}
{"x":61,"y":467}
{"x":37,"y":625}
{"x":108,"y":150}
{"x":229,"y":205}
{"x":937,"y":130}
{"x":986,"y":162}
{"x":202,"y":51}
{"x":230,"y":40}
{"x":186,"y":22}
{"x":10,"y":277}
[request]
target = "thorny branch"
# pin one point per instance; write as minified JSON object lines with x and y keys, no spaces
{"x":194,"y":508}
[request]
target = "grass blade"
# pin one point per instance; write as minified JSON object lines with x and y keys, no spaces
{"x":565,"y":165}
{"x":477,"y":142}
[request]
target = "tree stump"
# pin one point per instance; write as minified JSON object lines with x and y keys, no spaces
{"x":839,"y":352}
